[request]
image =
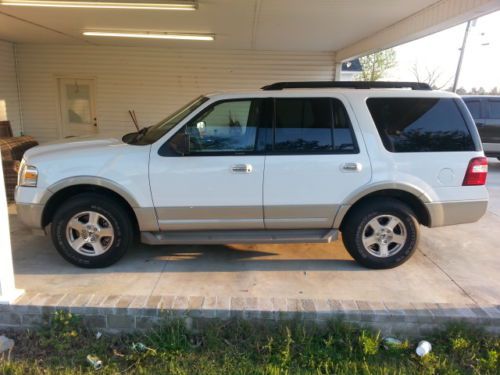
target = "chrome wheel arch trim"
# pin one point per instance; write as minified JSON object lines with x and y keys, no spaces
{"x":89,"y":180}
{"x":364,"y":191}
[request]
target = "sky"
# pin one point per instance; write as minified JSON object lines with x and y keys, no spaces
{"x":440,"y":52}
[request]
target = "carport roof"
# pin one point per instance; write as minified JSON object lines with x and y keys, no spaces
{"x":347,"y":27}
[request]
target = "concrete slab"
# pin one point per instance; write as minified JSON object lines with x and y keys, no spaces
{"x":454,"y":265}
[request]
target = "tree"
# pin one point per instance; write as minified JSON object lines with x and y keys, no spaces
{"x":432,"y":76}
{"x":494,"y":91}
{"x":377,"y":64}
{"x":461,"y":91}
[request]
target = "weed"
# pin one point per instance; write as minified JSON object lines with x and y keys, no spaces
{"x":243,"y":347}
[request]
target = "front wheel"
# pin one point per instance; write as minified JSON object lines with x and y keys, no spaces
{"x":381,"y":233}
{"x":91,"y":231}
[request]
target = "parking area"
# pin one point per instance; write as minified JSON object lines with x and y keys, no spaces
{"x":457,"y":265}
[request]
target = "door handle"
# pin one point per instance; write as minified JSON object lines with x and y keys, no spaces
{"x":242,"y":168}
{"x":351,"y":167}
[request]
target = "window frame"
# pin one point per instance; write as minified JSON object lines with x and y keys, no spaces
{"x":263,"y":145}
{"x":270,"y":144}
{"x":462,"y":110}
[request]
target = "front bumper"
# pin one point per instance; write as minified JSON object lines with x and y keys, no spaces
{"x":459,"y":212}
{"x":30,"y":214}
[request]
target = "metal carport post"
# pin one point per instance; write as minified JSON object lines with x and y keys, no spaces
{"x":8,"y":291}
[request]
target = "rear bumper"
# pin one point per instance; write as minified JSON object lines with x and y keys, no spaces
{"x":460,"y":212}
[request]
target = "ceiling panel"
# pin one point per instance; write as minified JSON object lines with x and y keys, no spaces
{"x":300,"y":25}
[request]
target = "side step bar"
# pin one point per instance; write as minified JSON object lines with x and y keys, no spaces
{"x":239,"y":236}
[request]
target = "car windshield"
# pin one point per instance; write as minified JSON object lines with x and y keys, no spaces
{"x":153,"y":133}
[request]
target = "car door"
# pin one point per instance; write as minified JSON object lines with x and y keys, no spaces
{"x":217,"y":183}
{"x":313,"y":164}
{"x":490,"y":131}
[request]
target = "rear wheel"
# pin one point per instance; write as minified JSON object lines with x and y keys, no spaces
{"x":91,"y":231}
{"x":381,"y":233}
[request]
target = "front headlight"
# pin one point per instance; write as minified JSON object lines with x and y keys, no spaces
{"x":28,"y":175}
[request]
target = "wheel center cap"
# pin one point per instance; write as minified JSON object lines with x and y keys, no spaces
{"x":91,"y":233}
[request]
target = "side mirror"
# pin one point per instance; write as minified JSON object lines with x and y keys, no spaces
{"x":179,"y":143}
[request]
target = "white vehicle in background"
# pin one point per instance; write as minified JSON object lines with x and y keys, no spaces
{"x":293,"y":162}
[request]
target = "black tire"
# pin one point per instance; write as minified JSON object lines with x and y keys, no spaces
{"x":355,"y":225}
{"x":117,"y":217}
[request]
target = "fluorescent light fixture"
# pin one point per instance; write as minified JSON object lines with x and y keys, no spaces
{"x":150,"y":35}
{"x":109,"y":4}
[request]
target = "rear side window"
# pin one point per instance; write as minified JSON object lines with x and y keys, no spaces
{"x":474,"y":107}
{"x":494,"y":107}
{"x":312,"y":125}
{"x":420,"y":124}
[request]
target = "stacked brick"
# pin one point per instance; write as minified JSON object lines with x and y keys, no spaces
{"x":12,"y":149}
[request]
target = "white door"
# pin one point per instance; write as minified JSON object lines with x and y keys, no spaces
{"x":218,"y":183}
{"x":77,"y":103}
{"x":315,"y":163}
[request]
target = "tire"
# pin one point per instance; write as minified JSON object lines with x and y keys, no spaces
{"x":96,"y":225}
{"x":396,"y":235}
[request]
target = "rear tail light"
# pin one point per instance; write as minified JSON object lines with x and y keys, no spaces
{"x":476,"y":172}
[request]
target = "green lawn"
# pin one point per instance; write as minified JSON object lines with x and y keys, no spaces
{"x":240,"y":347}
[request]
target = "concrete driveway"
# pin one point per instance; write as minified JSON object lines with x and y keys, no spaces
{"x":457,"y":264}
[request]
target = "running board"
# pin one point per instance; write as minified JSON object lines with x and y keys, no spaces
{"x":239,"y":236}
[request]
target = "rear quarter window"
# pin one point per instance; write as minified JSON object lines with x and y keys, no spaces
{"x":421,"y":124}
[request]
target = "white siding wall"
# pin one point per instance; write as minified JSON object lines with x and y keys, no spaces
{"x":152,"y":81}
{"x":9,"y":103}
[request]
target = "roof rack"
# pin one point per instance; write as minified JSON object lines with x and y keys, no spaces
{"x":347,"y":85}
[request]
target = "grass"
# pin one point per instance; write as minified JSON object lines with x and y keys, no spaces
{"x":240,"y":347}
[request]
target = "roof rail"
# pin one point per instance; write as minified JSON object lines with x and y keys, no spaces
{"x":347,"y":85}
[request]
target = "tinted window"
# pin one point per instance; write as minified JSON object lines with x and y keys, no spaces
{"x":312,"y":125}
{"x":474,"y":108}
{"x":343,"y":138}
{"x":420,"y":124}
{"x":229,"y":126}
{"x":494,"y":106}
{"x":303,"y":125}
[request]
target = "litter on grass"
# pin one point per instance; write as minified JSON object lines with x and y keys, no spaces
{"x":6,"y":345}
{"x":423,"y":348}
{"x":391,"y":343}
{"x":94,"y":361}
{"x":140,"y":347}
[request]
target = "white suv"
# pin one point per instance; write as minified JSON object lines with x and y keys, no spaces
{"x":293,"y":162}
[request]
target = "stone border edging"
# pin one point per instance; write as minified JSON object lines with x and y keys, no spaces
{"x":116,"y":313}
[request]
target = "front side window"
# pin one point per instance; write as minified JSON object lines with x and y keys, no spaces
{"x":226,"y":127}
{"x":421,"y":124}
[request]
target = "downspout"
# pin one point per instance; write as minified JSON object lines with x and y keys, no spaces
{"x":337,"y":68}
{"x":18,"y":84}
